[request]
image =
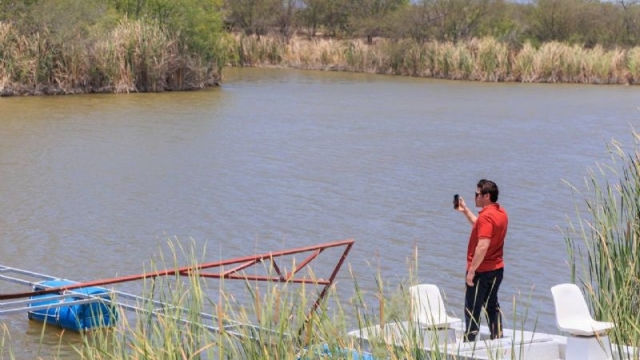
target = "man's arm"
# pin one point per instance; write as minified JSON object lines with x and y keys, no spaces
{"x":462,"y":207}
{"x":478,"y":256}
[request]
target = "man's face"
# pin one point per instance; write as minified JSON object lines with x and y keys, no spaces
{"x":481,"y":199}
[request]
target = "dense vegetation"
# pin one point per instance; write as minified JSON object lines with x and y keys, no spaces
{"x":603,"y":243}
{"x":72,"y":46}
{"x":582,"y":22}
{"x":69,"y":46}
{"x":483,"y":59}
{"x":579,"y":41}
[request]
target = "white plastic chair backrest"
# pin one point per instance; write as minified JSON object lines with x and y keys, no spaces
{"x":570,"y":305}
{"x":427,"y":304}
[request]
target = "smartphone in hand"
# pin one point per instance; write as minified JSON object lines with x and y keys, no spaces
{"x":456,"y":201}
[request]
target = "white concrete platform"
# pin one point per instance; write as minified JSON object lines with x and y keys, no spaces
{"x":514,"y":345}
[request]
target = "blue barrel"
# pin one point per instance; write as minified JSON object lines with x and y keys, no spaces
{"x":75,"y":317}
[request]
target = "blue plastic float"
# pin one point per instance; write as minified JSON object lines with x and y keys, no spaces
{"x":74,"y":317}
{"x":323,"y":351}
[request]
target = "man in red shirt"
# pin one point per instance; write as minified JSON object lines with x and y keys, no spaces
{"x":485,"y":265}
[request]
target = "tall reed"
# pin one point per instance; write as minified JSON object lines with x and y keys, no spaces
{"x":491,"y":60}
{"x":485,"y":59}
{"x":633,"y":65}
{"x":180,"y":319}
{"x":184,"y":317}
{"x":522,"y":64}
{"x":604,"y":242}
{"x":6,"y":348}
{"x":271,"y":322}
{"x":133,"y":56}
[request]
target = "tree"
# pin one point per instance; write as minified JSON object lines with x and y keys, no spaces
{"x":197,"y":23}
{"x":459,"y":19}
{"x":252,"y":16}
{"x":329,"y":15}
{"x":286,"y":18}
{"x":553,"y":20}
{"x":504,"y":21}
{"x":336,"y":19}
{"x":14,"y":10}
{"x":64,"y":19}
{"x":312,"y":15}
{"x":416,"y":21}
{"x":370,"y":18}
{"x":630,"y":14}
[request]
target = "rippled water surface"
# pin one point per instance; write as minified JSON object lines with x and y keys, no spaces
{"x":93,"y":186}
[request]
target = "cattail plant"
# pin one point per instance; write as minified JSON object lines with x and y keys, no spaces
{"x":603,"y":242}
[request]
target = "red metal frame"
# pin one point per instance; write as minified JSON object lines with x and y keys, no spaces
{"x":233,"y":273}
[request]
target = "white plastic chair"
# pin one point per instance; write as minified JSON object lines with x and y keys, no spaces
{"x":428,"y":307}
{"x":572,"y":313}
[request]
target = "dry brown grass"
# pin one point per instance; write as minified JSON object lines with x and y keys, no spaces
{"x":483,"y":59}
{"x":136,"y":56}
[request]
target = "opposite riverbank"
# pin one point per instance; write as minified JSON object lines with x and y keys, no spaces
{"x":140,"y":57}
{"x":483,"y":59}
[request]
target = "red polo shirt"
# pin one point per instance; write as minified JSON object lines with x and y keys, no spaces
{"x":491,"y":224}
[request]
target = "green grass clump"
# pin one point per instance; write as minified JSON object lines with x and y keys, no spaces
{"x":604,"y":244}
{"x":184,"y":317}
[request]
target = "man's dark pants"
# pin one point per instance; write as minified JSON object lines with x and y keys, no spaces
{"x":484,"y":292}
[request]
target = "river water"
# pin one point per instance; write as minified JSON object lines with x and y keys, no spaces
{"x":94,"y":185}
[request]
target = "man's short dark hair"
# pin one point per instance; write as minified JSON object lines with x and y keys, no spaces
{"x":489,"y":187}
